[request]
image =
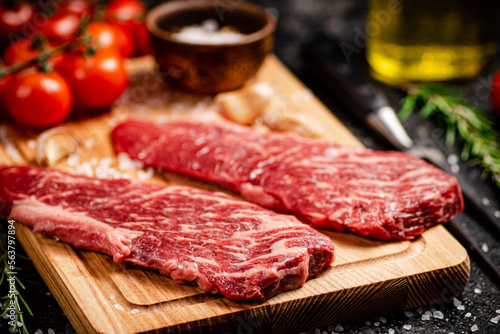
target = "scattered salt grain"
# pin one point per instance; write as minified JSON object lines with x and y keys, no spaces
{"x":486,"y":201}
{"x":407,"y":327}
{"x":495,"y":320}
{"x":497,"y":311}
{"x":51,"y":331}
{"x":39,"y":331}
{"x":88,"y":143}
{"x":438,"y":315}
{"x":455,"y":168}
{"x":383,"y":320}
{"x":47,"y":293}
{"x":303,"y":95}
{"x":461,"y":307}
{"x":468,"y":315}
{"x":119,"y":307}
{"x":339,"y":328}
{"x":497,"y":213}
{"x":19,"y":324}
{"x":31,"y":144}
{"x":367,"y":323}
{"x":426,"y":316}
{"x":452,"y":159}
{"x":408,"y":314}
{"x":456,"y":302}
{"x":485,"y":247}
{"x":144,"y":175}
{"x":376,"y":324}
{"x":112,"y":297}
{"x":126,"y":163}
{"x":477,"y":291}
{"x":391,"y":331}
{"x":93,"y":162}
{"x":474,"y":328}
{"x":135,"y":311}
{"x":73,"y":159}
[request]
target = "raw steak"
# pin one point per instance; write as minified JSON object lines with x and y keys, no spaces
{"x":222,"y":244}
{"x":382,"y":195}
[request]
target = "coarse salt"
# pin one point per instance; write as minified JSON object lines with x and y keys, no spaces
{"x":135,"y":311}
{"x":407,"y":327}
{"x":468,"y":315}
{"x":339,"y":328}
{"x":486,"y":201}
{"x":497,"y":311}
{"x":474,"y":328}
{"x":119,"y":307}
{"x":495,"y":320}
{"x":51,"y":331}
{"x":426,"y":317}
{"x":408,"y":314}
{"x":496,"y":213}
{"x":438,"y":315}
{"x":452,"y":159}
{"x":39,"y":331}
{"x":477,"y":291}
{"x":485,"y":247}
{"x":461,"y":307}
{"x":112,"y":297}
{"x":376,"y":324}
{"x":391,"y":331}
{"x":455,"y":169}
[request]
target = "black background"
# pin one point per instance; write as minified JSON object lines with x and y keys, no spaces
{"x":299,"y":22}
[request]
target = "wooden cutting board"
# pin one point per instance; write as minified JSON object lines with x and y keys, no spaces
{"x":368,"y":277}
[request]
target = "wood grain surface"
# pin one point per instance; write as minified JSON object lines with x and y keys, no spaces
{"x":368,"y":277}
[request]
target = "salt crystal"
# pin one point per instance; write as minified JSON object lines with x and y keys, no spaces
{"x":486,"y":201}
{"x":407,"y":327}
{"x":135,"y":311}
{"x":497,"y":213}
{"x":468,"y":315}
{"x":438,"y":315}
{"x":31,"y":144}
{"x":456,"y":302}
{"x":474,"y":328}
{"x":383,"y":320}
{"x":495,"y":320}
{"x":376,"y":324}
{"x":144,"y":175}
{"x":477,"y":291}
{"x":485,"y":248}
{"x":19,"y":324}
{"x":339,"y":328}
{"x":47,"y":293}
{"x":88,"y":143}
{"x":455,"y":168}
{"x":452,"y":159}
{"x":39,"y":331}
{"x":51,"y":331}
{"x":461,"y":307}
{"x":93,"y":162}
{"x":391,"y":331}
{"x":408,"y":314}
{"x":73,"y":159}
{"x":497,"y":311}
{"x":112,"y":297}
{"x":426,"y":317}
{"x":106,"y":162}
{"x":119,"y":307}
{"x":367,"y":323}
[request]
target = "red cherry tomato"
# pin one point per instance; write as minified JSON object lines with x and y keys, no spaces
{"x":125,"y":10}
{"x":130,"y":15}
{"x":495,"y":92}
{"x":22,"y":50}
{"x":78,"y":7}
{"x":97,"y":80}
{"x":12,"y":20}
{"x":4,"y":84}
{"x":61,"y":27}
{"x":38,"y":99}
{"x":110,"y":36}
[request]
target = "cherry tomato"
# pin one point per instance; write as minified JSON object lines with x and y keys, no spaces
{"x":12,"y":20}
{"x":61,"y":27}
{"x":38,"y":99}
{"x":22,"y":50}
{"x":110,"y":36}
{"x":78,"y":7}
{"x":495,"y":92}
{"x":130,"y":15}
{"x":4,"y":84}
{"x":97,"y":80}
{"x":125,"y":10}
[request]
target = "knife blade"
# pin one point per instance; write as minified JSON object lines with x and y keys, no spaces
{"x":346,"y":77}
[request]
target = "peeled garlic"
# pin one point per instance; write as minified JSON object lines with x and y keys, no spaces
{"x":53,"y":145}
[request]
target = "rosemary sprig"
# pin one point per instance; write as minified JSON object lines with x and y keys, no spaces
{"x":7,"y":275}
{"x":475,"y":130}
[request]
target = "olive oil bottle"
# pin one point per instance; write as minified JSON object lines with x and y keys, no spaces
{"x":431,"y":40}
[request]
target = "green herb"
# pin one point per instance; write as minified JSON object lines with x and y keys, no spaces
{"x":8,"y":275}
{"x":475,"y":130}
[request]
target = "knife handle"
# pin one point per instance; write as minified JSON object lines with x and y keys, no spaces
{"x":345,"y":75}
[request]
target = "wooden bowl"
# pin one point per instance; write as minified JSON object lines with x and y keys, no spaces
{"x":208,"y":68}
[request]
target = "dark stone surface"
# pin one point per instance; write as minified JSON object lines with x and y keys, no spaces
{"x":299,"y":21}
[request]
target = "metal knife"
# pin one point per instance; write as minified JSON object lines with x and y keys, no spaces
{"x":345,"y":76}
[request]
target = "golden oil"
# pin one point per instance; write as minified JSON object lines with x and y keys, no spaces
{"x":431,"y":40}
